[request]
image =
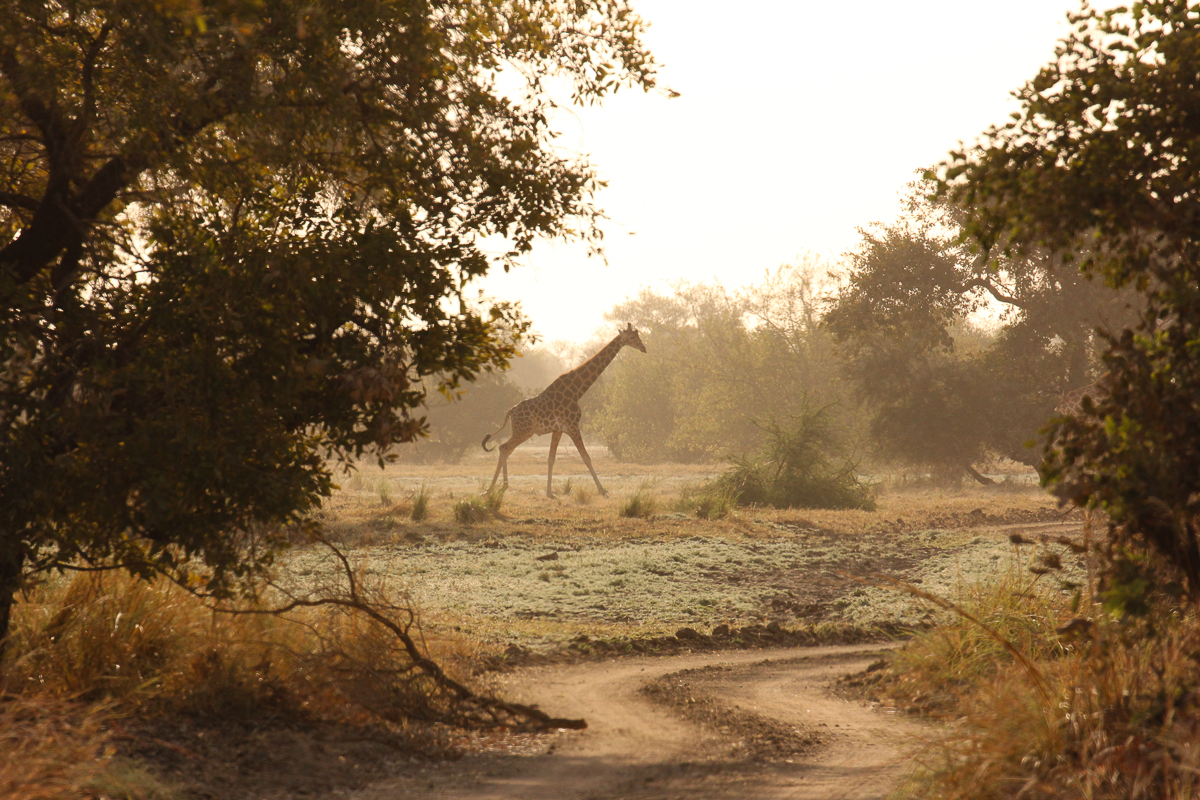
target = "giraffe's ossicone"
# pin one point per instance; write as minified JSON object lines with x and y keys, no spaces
{"x":556,"y":410}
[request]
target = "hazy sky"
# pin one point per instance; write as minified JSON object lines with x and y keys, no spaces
{"x":798,"y":122}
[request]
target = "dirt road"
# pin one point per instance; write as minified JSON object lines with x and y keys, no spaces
{"x":757,"y":724}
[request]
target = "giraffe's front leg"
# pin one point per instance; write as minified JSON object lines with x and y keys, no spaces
{"x":550,"y":468}
{"x":578,"y":439}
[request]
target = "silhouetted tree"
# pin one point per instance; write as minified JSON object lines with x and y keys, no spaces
{"x":1098,"y":168}
{"x":235,"y":236}
{"x":945,"y":397}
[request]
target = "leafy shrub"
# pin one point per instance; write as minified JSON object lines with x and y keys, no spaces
{"x":479,"y":509}
{"x":640,"y":504}
{"x":795,"y":469}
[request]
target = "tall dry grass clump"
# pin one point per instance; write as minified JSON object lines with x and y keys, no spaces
{"x":62,"y":749}
{"x":479,"y":509}
{"x":87,"y":650}
{"x":112,"y":637}
{"x":640,"y":504}
{"x":1123,"y":722}
{"x":1048,"y":697}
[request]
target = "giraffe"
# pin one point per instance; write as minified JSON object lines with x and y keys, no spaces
{"x":556,"y":410}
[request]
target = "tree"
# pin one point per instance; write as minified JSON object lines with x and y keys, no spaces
{"x":458,"y":420}
{"x":1098,"y":168}
{"x":235,"y":237}
{"x":719,"y":362}
{"x":947,"y":395}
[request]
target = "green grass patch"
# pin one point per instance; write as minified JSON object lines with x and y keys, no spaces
{"x":420,"y":505}
{"x":640,"y":504}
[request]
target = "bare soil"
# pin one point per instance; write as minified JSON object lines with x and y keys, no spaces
{"x":729,"y":725}
{"x":721,"y":711}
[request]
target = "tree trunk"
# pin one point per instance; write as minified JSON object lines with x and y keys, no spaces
{"x":985,"y":480}
{"x":11,"y":562}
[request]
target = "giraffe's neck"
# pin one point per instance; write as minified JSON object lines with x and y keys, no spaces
{"x":580,"y":379}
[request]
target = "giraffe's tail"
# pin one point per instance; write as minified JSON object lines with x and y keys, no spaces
{"x":495,"y":432}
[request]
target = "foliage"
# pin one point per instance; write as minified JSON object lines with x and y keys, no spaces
{"x":1096,"y":167}
{"x":639,"y":505}
{"x":716,"y":360}
{"x":946,"y":396}
{"x":234,"y":239}
{"x":795,"y":469}
{"x":459,"y":419}
{"x":479,"y":509}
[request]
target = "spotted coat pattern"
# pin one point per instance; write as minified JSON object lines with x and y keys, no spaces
{"x":556,"y":410}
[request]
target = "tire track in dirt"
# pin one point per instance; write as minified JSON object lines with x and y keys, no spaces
{"x":635,"y":748}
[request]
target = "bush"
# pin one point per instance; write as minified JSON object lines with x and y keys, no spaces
{"x":795,"y":469}
{"x":479,"y":509}
{"x":639,"y":505}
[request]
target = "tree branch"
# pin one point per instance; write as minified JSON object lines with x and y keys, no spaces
{"x":14,"y":200}
{"x":86,"y":79}
{"x":499,"y":713}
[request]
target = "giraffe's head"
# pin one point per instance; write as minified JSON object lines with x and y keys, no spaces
{"x":629,"y":336}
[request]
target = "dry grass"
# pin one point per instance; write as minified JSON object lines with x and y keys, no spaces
{"x":53,"y":749}
{"x":1105,"y":709}
{"x":1123,"y":722}
{"x":94,"y":646}
{"x":88,"y":650}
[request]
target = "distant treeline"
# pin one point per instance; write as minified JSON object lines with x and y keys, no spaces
{"x":920,"y":356}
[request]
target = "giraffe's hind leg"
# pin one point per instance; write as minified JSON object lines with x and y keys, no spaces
{"x":577,"y":438}
{"x":505,"y":451}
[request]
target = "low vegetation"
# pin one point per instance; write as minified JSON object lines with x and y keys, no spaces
{"x":799,"y":466}
{"x":1046,"y":697}
{"x":479,"y":508}
{"x":639,"y":504}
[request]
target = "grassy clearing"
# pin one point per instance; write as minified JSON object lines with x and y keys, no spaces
{"x":526,"y":570}
{"x":675,"y":562}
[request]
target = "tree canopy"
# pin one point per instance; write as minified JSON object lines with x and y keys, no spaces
{"x":721,"y":364}
{"x":1098,"y":166}
{"x":962,"y":359}
{"x":235,"y":237}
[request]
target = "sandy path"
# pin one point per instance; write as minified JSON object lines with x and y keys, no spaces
{"x":635,"y":748}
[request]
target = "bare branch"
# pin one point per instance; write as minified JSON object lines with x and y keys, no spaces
{"x":474,"y":709}
{"x":14,"y":200}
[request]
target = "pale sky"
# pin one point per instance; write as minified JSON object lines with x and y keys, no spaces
{"x":798,"y":122}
